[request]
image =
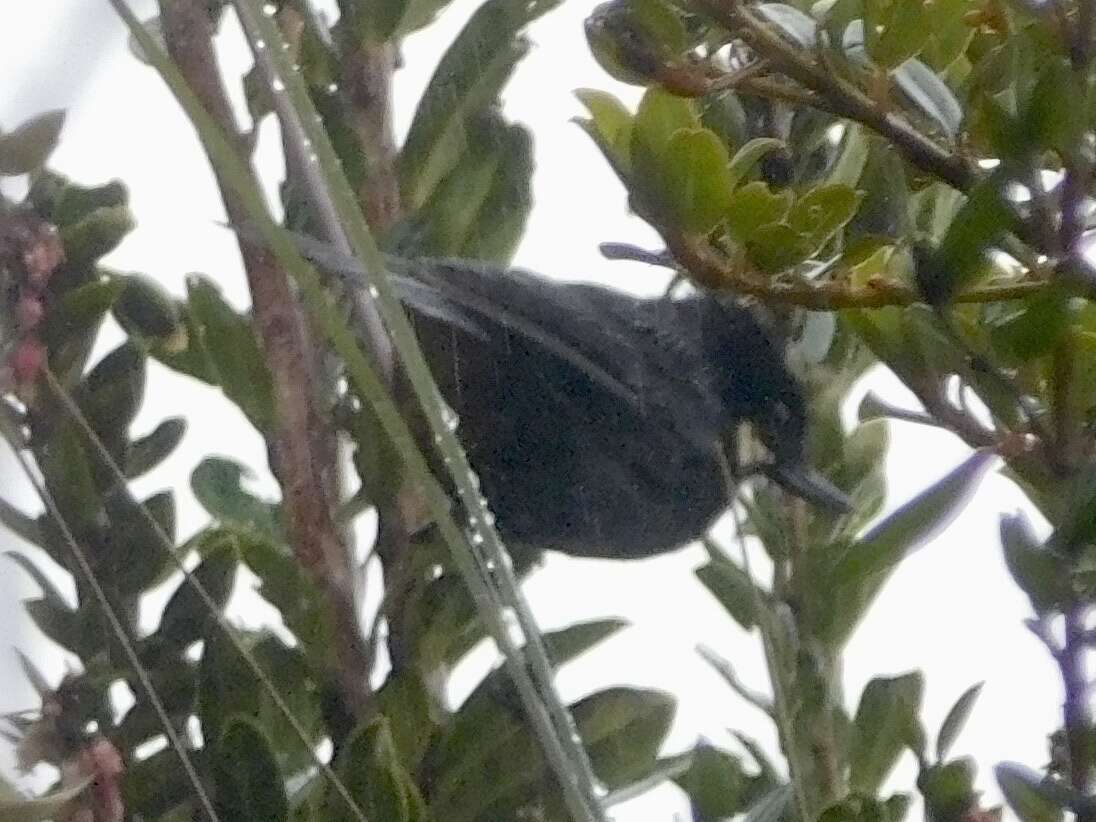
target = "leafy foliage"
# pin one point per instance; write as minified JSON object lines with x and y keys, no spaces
{"x":876,"y":171}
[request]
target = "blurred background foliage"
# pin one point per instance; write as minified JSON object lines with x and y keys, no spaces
{"x":898,"y":182}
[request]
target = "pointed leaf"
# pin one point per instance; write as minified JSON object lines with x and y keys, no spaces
{"x":27,"y":147}
{"x":234,"y":352}
{"x":146,"y":452}
{"x":955,"y":720}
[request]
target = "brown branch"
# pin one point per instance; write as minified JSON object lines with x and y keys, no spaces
{"x":713,"y":270}
{"x":842,"y":97}
{"x":299,"y":443}
{"x":366,"y":83}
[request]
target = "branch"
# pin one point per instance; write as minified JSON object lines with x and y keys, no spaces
{"x":713,"y":270}
{"x":842,"y":97}
{"x":299,"y":444}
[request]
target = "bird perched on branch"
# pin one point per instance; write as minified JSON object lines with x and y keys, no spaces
{"x":596,"y":420}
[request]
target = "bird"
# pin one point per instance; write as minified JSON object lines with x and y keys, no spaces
{"x":597,"y":421}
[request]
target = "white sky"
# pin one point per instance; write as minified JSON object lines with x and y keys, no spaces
{"x":950,"y":610}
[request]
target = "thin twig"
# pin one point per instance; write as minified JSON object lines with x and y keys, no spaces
{"x":712,"y":269}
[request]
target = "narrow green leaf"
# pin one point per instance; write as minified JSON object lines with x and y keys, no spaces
{"x":732,"y":588}
{"x":377,"y":781}
{"x":186,"y":617}
{"x":146,"y":452}
{"x":1039,"y":570}
{"x":955,"y":720}
{"x":914,"y":523}
{"x":234,"y":352}
{"x":467,"y":81}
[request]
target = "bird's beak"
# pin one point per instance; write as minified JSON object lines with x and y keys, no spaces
{"x":807,"y":484}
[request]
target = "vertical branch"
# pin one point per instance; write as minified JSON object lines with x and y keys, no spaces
{"x":367,"y":84}
{"x":300,"y":442}
{"x":1076,"y":710}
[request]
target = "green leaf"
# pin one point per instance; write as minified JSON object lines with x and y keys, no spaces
{"x":697,"y":186}
{"x":732,"y":588}
{"x":983,"y":219}
{"x":955,"y":720}
{"x":1029,"y":794}
{"x":186,"y":617}
{"x":1052,"y":118}
{"x":134,"y":550}
{"x":234,"y":352}
{"x":29,"y":146}
{"x":754,"y":205}
{"x":822,"y":212}
{"x":146,"y":452}
{"x":1034,"y":329}
{"x":371,"y":770}
{"x":216,"y":483}
{"x":467,"y":82}
{"x":113,"y":391}
{"x":948,"y":788}
{"x":659,"y":116}
{"x":67,"y":470}
{"x":249,"y":785}
{"x":96,"y":235}
{"x":715,"y":783}
{"x":609,"y":125}
{"x":80,"y":309}
{"x":1039,"y":570}
{"x":479,"y":210}
{"x":914,"y":523}
{"x":884,"y":726}
{"x":623,"y":730}
{"x":776,"y":247}
{"x":144,"y":309}
{"x":904,"y":34}
{"x":504,"y":210}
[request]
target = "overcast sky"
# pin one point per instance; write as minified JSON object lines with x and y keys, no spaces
{"x":950,"y":610}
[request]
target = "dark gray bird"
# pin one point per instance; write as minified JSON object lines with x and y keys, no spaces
{"x":597,"y":420}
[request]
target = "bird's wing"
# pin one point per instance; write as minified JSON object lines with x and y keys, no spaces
{"x":660,"y":370}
